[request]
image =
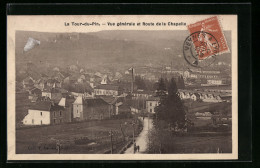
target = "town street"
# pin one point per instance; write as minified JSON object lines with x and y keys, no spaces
{"x":141,"y":140}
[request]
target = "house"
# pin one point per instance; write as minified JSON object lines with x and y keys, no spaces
{"x":195,"y":97}
{"x":118,"y":75}
{"x":181,"y":94}
{"x":39,"y":114}
{"x":203,"y":115}
{"x":151,"y":103}
{"x":34,"y":92}
{"x":212,"y":77}
{"x":53,"y":83}
{"x":90,"y":109}
{"x":67,"y":104}
{"x":135,"y":110}
{"x":71,"y":79}
{"x":81,"y":78}
{"x":122,"y":108}
{"x":216,"y":81}
{"x":107,"y":90}
{"x":52,"y":93}
{"x":226,"y":98}
{"x":35,"y":76}
{"x":81,"y":89}
{"x":105,"y":80}
{"x":118,"y":105}
{"x":41,"y":84}
{"x":46,"y":113}
{"x":28,"y":82}
{"x":141,"y":94}
{"x":34,"y":99}
{"x":210,"y":97}
{"x":95,"y":79}
{"x":59,"y":75}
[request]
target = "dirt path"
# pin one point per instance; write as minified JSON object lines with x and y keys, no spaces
{"x":141,"y":140}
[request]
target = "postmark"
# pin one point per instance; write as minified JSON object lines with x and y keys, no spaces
{"x":200,"y":49}
{"x":208,"y":41}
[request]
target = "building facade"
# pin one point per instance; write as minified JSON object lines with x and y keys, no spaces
{"x":107,"y":90}
{"x":151,"y":104}
{"x":90,"y":109}
{"x":47,"y":112}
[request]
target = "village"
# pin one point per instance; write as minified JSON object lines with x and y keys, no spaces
{"x":62,"y":97}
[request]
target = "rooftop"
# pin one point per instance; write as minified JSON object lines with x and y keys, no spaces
{"x":153,"y":99}
{"x":107,"y":87}
{"x":41,"y":105}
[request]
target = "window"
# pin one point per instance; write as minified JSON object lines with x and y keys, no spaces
{"x":41,"y":122}
{"x":54,"y":121}
{"x":32,"y":121}
{"x":151,"y":104}
{"x":60,"y":113}
{"x":41,"y":113}
{"x":54,"y":114}
{"x":151,"y":110}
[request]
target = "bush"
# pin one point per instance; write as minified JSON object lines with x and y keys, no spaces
{"x":160,"y":141}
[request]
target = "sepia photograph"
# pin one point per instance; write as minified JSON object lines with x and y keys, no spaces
{"x":147,"y":87}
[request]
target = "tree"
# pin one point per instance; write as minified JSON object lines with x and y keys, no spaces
{"x":161,"y":88}
{"x":140,"y":83}
{"x":180,"y":83}
{"x":170,"y":112}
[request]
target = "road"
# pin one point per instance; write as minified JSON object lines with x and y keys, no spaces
{"x":141,"y":140}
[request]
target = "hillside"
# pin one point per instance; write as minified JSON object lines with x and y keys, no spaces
{"x":120,"y":48}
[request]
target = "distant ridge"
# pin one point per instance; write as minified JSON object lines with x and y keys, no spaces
{"x":124,"y":47}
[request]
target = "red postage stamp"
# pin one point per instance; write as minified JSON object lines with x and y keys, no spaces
{"x":208,"y":38}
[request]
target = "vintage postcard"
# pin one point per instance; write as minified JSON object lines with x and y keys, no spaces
{"x":122,"y":87}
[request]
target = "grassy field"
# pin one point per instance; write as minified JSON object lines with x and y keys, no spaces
{"x":207,"y":106}
{"x":84,"y":137}
{"x":194,"y":107}
{"x":198,"y":142}
{"x":186,"y":143}
{"x":203,"y":144}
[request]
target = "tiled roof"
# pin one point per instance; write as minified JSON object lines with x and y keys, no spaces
{"x":34,"y":99}
{"x":109,"y":99}
{"x":107,"y":87}
{"x":35,"y":91}
{"x":56,"y":108}
{"x":153,"y":99}
{"x":79,"y":100}
{"x":143,"y":92}
{"x":41,"y":105}
{"x":95,"y":102}
{"x":56,"y":97}
{"x":28,"y":80}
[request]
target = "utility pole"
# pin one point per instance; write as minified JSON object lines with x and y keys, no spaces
{"x":58,"y":146}
{"x":132,"y":82}
{"x":148,"y":132}
{"x":122,"y":131}
{"x":111,"y":139}
{"x":134,"y":135}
